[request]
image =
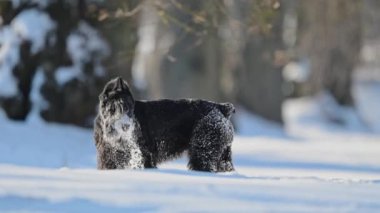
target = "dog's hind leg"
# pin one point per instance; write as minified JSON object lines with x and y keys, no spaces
{"x":209,"y":144}
{"x":225,"y":163}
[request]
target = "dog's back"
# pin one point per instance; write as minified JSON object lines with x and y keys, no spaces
{"x":195,"y":108}
{"x":168,"y":124}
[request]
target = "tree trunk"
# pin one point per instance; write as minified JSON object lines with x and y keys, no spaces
{"x":178,"y":61}
{"x":331,"y":37}
{"x":260,"y":80}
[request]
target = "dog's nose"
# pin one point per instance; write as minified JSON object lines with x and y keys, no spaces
{"x":125,"y":127}
{"x":119,"y":83}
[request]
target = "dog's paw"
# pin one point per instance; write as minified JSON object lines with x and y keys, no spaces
{"x":225,"y":166}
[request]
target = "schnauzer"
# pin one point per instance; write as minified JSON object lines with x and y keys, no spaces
{"x":141,"y":134}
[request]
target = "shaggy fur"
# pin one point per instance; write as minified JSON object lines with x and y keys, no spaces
{"x":142,"y":134}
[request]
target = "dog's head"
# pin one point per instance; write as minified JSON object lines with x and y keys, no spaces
{"x":116,"y":100}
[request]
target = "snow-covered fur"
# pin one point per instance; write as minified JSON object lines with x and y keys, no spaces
{"x":142,"y":134}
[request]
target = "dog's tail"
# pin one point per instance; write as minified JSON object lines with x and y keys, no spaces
{"x":227,"y":109}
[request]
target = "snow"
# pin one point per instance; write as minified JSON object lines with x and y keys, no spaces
{"x":249,"y":124}
{"x":37,"y":189}
{"x":370,"y":51}
{"x":297,"y":71}
{"x":32,"y":25}
{"x":51,"y":167}
{"x":83,"y":45}
{"x":45,"y":145}
{"x":65,"y":74}
{"x":367,"y":102}
{"x":321,"y":117}
{"x":9,"y":57}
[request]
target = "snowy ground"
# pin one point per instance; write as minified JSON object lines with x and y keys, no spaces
{"x":310,"y":166}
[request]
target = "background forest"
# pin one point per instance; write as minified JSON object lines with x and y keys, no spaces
{"x":56,"y":55}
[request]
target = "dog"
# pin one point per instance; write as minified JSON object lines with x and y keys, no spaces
{"x":132,"y":134}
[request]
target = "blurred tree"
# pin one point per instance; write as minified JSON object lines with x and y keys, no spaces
{"x":371,"y":19}
{"x":64,"y":73}
{"x":219,"y":50}
{"x":331,"y":38}
{"x":20,"y":63}
{"x":260,"y":79}
{"x":177,"y":50}
{"x":74,"y":73}
{"x":117,"y":21}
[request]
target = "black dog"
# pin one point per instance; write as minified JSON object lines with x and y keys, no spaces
{"x":142,"y":134}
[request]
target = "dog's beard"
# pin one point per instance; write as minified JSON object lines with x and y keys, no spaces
{"x":113,"y":110}
{"x":116,"y":121}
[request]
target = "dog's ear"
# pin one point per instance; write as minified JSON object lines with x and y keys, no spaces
{"x":130,"y":99}
{"x":123,"y":86}
{"x":110,"y":85}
